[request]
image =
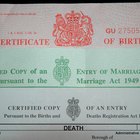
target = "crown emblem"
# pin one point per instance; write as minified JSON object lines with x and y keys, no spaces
{"x":61,"y":71}
{"x":73,"y":110}
{"x":62,"y":61}
{"x":74,"y":29}
{"x":73,"y":17}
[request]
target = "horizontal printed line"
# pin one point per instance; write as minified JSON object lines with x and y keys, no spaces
{"x":69,"y":123}
{"x":70,"y":87}
{"x":30,"y":130}
{"x":70,"y":131}
{"x":112,"y":130}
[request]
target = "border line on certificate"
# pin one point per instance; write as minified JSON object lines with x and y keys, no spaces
{"x":69,"y":123}
{"x":71,"y":131}
{"x":69,"y":87}
{"x":63,"y":124}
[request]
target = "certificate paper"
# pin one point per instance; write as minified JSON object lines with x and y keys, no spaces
{"x":70,"y":71}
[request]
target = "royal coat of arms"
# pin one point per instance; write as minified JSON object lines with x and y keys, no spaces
{"x":74,"y":29}
{"x":73,"y":110}
{"x":61,"y":71}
